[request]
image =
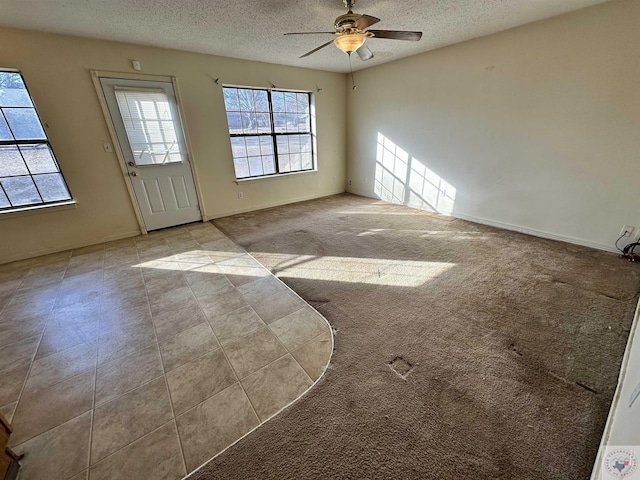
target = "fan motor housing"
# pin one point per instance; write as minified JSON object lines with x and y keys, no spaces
{"x":346,"y":21}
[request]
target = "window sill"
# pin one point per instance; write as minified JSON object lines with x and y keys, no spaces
{"x":273,"y":177}
{"x":34,"y":210}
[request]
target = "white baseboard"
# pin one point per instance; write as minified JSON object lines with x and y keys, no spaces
{"x":69,"y":246}
{"x":517,"y":228}
{"x":274,"y":204}
{"x":536,"y":233}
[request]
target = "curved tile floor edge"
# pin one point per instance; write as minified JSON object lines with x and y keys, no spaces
{"x":149,"y":355}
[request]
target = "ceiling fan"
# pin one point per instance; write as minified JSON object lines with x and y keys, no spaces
{"x":352,"y":31}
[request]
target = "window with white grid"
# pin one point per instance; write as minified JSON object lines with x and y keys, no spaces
{"x":29,"y":172}
{"x":270,"y":130}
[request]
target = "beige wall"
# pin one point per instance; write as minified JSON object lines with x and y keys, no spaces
{"x":536,"y":128}
{"x":56,"y":69}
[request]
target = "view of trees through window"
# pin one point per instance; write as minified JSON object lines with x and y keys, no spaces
{"x":29,"y":173}
{"x":270,"y":131}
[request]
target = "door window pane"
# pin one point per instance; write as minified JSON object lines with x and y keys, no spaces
{"x":149,"y":123}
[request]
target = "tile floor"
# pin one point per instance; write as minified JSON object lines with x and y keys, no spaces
{"x":145,"y":357}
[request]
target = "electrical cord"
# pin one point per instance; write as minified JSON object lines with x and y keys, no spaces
{"x":621,"y":251}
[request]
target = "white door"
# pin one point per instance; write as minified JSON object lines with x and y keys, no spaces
{"x":146,"y":121}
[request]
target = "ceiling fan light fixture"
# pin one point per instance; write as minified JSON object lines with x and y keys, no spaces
{"x":350,"y":42}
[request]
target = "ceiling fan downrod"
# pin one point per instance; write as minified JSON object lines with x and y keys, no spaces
{"x":348,"y":4}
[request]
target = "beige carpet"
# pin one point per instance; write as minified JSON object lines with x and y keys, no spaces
{"x":512,"y":346}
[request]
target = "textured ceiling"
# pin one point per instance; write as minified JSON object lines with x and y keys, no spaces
{"x":252,"y":29}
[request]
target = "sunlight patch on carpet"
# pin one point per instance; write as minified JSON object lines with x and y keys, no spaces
{"x":370,"y":271}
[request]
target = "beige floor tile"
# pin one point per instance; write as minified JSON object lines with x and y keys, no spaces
{"x":32,"y":303}
{"x":128,"y":338}
{"x":206,"y":235}
{"x":78,"y":295}
{"x":14,"y":329}
{"x":92,"y":251}
{"x":214,"y":424}
{"x":8,"y":410}
{"x":275,"y":386}
{"x":221,"y":249}
{"x":12,"y":381}
{"x":184,"y":243}
{"x":82,"y":268}
{"x":155,"y":456}
{"x":135,"y":293}
{"x":129,"y":417}
{"x":221,"y":302}
{"x":60,"y":336}
{"x":299,"y":327}
{"x":314,"y":355}
{"x":187,"y":345}
{"x":153,"y":252}
{"x":47,"y":408}
{"x":125,"y":256}
{"x":81,"y":476}
{"x":242,"y":269}
{"x":173,"y":300}
{"x":193,"y":260}
{"x":17,"y":353}
{"x":270,"y":299}
{"x":160,"y":285}
{"x":123,"y":374}
{"x":118,"y":317}
{"x":206,"y":279}
{"x":156,"y":270}
{"x":199,"y":379}
{"x":121,"y":278}
{"x":59,"y":453}
{"x":254,"y":351}
{"x":55,"y":368}
{"x":172,"y":322}
{"x":233,"y":325}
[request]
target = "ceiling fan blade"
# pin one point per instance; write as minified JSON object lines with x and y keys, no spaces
{"x":397,"y":34}
{"x":364,"y":53}
{"x":309,"y":33}
{"x":316,"y":49}
{"x":365,"y":21}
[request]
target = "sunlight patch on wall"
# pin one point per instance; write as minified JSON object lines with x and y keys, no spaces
{"x":403,"y":179}
{"x":370,"y":271}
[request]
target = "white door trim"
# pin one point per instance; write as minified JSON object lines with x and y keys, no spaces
{"x":95,"y":77}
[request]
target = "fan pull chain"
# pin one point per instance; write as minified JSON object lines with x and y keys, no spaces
{"x":353,"y":83}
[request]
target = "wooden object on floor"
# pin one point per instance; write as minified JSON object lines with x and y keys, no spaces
{"x":8,"y":459}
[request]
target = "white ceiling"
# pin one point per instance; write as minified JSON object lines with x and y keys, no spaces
{"x":253,"y":29}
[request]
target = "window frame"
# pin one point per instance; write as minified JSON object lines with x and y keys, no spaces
{"x":17,"y":143}
{"x":273,"y":134}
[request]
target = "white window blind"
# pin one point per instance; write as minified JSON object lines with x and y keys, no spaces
{"x":149,"y":123}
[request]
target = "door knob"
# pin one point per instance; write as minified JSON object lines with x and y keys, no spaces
{"x":134,"y":174}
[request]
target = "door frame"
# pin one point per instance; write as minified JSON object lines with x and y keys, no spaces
{"x":95,"y":77}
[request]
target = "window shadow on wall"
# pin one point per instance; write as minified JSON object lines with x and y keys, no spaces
{"x":403,"y":179}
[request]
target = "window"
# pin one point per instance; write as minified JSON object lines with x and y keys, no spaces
{"x":270,"y":131}
{"x":29,"y":173}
